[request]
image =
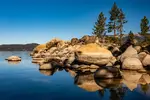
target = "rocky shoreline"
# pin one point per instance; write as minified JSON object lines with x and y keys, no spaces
{"x":90,"y":54}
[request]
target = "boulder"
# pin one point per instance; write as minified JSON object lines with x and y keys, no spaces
{"x":138,"y":48}
{"x":146,"y":60}
{"x":129,"y":52}
{"x":107,"y":73}
{"x":142,"y":55}
{"x":132,"y":64}
{"x":13,"y":58}
{"x":55,"y":43}
{"x":47,"y":66}
{"x":74,"y":41}
{"x":88,"y":39}
{"x":93,"y":54}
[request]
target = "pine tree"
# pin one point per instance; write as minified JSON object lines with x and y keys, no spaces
{"x":131,"y":37}
{"x":144,"y":26}
{"x":121,"y":22}
{"x":99,"y":27}
{"x":114,"y":14}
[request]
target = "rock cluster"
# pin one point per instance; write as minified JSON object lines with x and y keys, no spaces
{"x":88,"y":55}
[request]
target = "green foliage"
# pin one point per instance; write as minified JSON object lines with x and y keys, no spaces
{"x":112,"y":39}
{"x":99,"y":28}
{"x":117,"y":20}
{"x":144,"y":26}
{"x":114,"y":14}
{"x":131,"y":36}
{"x":121,"y":21}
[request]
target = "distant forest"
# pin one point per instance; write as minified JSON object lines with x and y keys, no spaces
{"x":18,"y":47}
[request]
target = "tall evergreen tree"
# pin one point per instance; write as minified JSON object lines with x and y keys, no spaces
{"x":100,"y":25}
{"x":113,"y":24}
{"x":131,"y":37}
{"x":121,"y":21}
{"x":144,"y":26}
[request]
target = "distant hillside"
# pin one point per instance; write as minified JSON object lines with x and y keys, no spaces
{"x":18,"y":47}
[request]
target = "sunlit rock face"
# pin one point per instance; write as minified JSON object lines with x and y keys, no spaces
{"x":130,"y":52}
{"x":87,"y":82}
{"x":132,"y":64}
{"x":13,"y":58}
{"x":93,"y":54}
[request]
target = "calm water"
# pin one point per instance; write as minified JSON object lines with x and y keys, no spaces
{"x":23,"y":81}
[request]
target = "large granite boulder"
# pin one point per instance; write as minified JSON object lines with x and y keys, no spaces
{"x":138,"y":48}
{"x":142,"y":55}
{"x":132,"y":64}
{"x":93,"y":54}
{"x":74,"y":41}
{"x":88,"y":39}
{"x":146,"y":60}
{"x":129,"y":52}
{"x":55,"y":43}
{"x":108,"y":73}
{"x":13,"y":58}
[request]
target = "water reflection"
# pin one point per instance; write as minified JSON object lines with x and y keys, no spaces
{"x":13,"y":62}
{"x":48,"y":72}
{"x":87,"y":82}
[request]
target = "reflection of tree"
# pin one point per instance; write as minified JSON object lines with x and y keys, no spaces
{"x":145,"y":88}
{"x":118,"y":93}
{"x":101,"y":93}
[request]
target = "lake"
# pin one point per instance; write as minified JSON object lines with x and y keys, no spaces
{"x":24,"y":81}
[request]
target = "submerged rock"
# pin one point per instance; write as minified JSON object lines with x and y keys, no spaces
{"x":93,"y":54}
{"x":13,"y":58}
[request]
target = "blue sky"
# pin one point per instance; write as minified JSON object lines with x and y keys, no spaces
{"x":38,"y":21}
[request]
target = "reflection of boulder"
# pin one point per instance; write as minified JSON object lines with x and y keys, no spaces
{"x":145,"y":79}
{"x":72,"y":73}
{"x":107,"y":73}
{"x":131,"y":79}
{"x":108,"y":83}
{"x":47,"y":72}
{"x":47,"y":66}
{"x":87,"y":82}
{"x":13,"y":62}
{"x":85,"y":68}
